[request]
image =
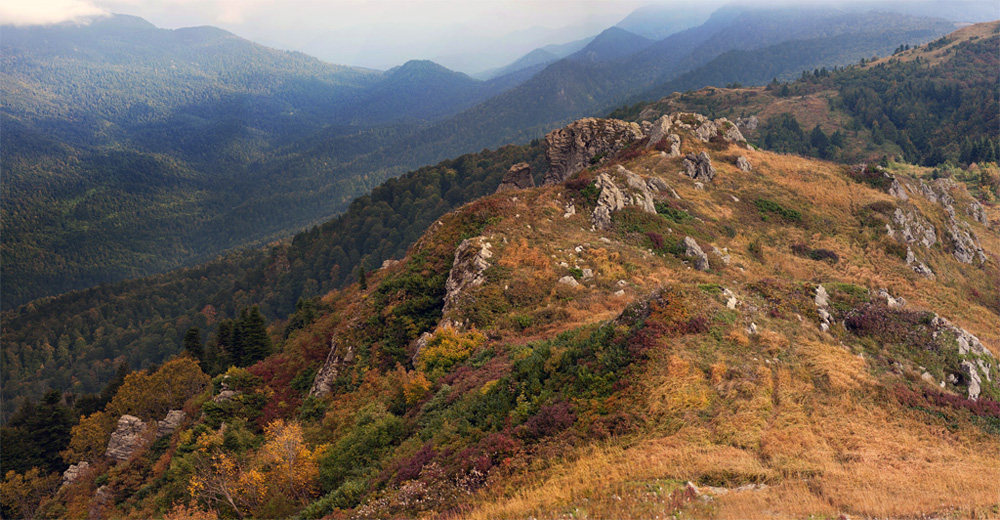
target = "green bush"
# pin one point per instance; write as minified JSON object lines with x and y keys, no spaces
{"x":765,"y":206}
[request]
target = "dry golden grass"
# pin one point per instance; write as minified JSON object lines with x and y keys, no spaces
{"x":979,"y":30}
{"x":789,"y":407}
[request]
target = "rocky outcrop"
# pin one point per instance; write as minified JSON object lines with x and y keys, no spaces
{"x":743,"y":164}
{"x":965,"y":246}
{"x":917,"y":266}
{"x":471,"y":260}
{"x":705,"y":129}
{"x":573,"y":148}
{"x":977,"y":213}
{"x":335,"y":362}
{"x":750,"y":123}
{"x":897,"y":190}
{"x":170,"y":423}
{"x":822,"y":301}
{"x":74,"y":472}
{"x":103,"y":498}
{"x":570,"y":281}
{"x":692,"y":250}
{"x":518,"y":177}
{"x":126,"y":439}
{"x":909,"y":227}
{"x":659,"y":130}
{"x":699,"y":167}
{"x":890,"y":301}
{"x":623,"y":188}
{"x":977,"y":364}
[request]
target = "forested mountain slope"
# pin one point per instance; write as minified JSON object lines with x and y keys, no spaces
{"x":170,"y":146}
{"x":210,"y":142}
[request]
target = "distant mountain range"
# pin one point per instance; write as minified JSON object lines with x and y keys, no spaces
{"x":130,"y":150}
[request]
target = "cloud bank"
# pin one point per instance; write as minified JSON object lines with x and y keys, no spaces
{"x":47,"y":12}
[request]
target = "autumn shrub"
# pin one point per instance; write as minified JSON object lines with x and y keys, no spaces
{"x":817,"y":254}
{"x":446,"y":348}
{"x":549,"y":420}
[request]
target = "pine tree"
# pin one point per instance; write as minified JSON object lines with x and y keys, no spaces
{"x":193,"y":344}
{"x":250,"y":337}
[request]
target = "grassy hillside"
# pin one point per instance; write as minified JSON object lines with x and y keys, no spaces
{"x":603,"y":396}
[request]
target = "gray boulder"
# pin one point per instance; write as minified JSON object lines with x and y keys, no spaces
{"x":694,"y":251}
{"x":743,"y":164}
{"x":699,"y":167}
{"x":518,"y":177}
{"x":170,"y":423}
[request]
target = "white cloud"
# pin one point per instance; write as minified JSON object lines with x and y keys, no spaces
{"x":46,"y":12}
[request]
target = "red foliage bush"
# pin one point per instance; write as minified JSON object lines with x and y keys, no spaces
{"x":656,"y":239}
{"x":549,"y":420}
{"x":927,"y":398}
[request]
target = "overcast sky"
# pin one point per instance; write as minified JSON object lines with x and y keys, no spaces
{"x":372,"y":33}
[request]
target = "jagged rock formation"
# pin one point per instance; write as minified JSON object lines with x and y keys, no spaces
{"x":977,"y":362}
{"x":571,"y":149}
{"x":170,"y":423}
{"x":467,"y":270}
{"x":630,"y":191}
{"x":335,"y":361}
{"x":658,"y":131}
{"x":699,"y":167}
{"x":912,"y":228}
{"x":74,"y":472}
{"x":966,"y":247}
{"x":743,"y":164}
{"x":126,"y":438}
{"x":518,"y":177}
{"x":692,"y":250}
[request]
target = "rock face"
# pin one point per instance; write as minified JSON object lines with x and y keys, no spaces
{"x":912,"y":228}
{"x":897,"y":190}
{"x":966,"y":247}
{"x":471,"y":260}
{"x":623,"y":188}
{"x":336,"y":360}
{"x":74,"y":472}
{"x":571,"y":149}
{"x":126,"y":438}
{"x":170,"y":423}
{"x":977,"y":363}
{"x":699,"y":167}
{"x":743,"y":164}
{"x":518,"y":177}
{"x":694,"y":251}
